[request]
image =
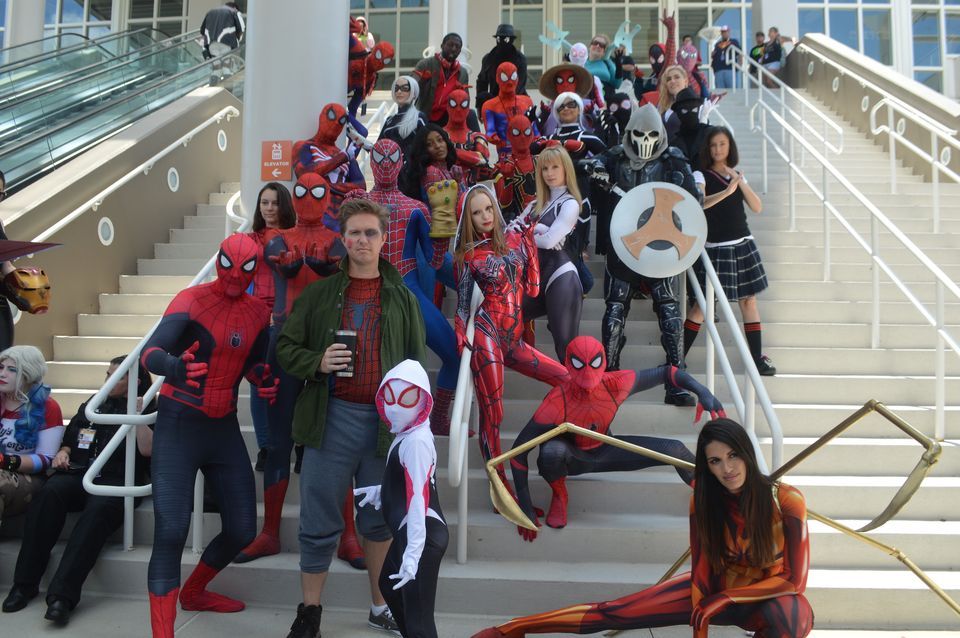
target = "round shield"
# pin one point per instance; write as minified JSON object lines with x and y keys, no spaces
{"x":658,"y":229}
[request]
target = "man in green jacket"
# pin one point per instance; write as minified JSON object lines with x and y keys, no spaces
{"x":335,"y":417}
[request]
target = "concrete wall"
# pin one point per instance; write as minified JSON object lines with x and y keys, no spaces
{"x":142,"y":212}
{"x":854,"y":99}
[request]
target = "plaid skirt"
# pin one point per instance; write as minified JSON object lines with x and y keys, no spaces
{"x":738,"y":267}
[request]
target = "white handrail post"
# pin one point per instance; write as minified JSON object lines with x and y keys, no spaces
{"x":792,"y":187}
{"x":198,"y":514}
{"x":893,"y":150}
{"x":462,"y":509}
{"x":783,"y":114}
{"x":763,"y":127}
{"x":939,"y":429}
{"x":875,"y":277}
{"x":935,"y":169}
{"x":750,"y":405}
{"x":803,"y":151}
{"x":130,"y":462}
{"x":826,"y":224}
{"x":709,"y":314}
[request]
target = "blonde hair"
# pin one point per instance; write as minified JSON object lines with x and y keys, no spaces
{"x":31,"y":368}
{"x":555,"y":155}
{"x":468,"y":236}
{"x":666,"y":100}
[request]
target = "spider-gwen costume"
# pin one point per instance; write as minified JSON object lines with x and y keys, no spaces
{"x":497,"y":112}
{"x":298,"y":257}
{"x":517,"y":185}
{"x":503,"y":280}
{"x":321,"y":155}
{"x":210,"y":336}
{"x":590,"y":397}
{"x":411,"y":507}
{"x":409,"y":228}
{"x":362,"y":73}
{"x":768,"y":600}
{"x":473,"y":153}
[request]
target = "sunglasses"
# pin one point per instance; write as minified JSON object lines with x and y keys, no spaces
{"x":599,"y":43}
{"x":401,"y":88}
{"x":567,"y":105}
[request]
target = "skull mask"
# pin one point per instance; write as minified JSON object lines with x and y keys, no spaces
{"x":645,"y":138}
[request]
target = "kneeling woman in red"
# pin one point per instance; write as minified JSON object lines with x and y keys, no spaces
{"x":749,"y":551}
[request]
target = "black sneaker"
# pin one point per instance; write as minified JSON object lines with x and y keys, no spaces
{"x":765,"y":366}
{"x":679,"y":398}
{"x":307,"y":623}
{"x":385,"y":621}
{"x":261,"y":459}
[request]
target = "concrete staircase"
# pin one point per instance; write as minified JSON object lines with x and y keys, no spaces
{"x":626,"y":528}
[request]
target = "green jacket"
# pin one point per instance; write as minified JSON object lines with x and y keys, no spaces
{"x":310,"y":329}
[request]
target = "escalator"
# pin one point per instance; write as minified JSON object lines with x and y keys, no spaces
{"x":54,"y":116}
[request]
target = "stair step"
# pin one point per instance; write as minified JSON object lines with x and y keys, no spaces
{"x":188,"y":267}
{"x":154,"y":284}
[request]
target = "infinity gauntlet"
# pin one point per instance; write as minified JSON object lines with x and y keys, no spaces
{"x":28,"y":289}
{"x":442,"y":197}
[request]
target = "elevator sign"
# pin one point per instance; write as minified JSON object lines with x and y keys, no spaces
{"x":275,"y":161}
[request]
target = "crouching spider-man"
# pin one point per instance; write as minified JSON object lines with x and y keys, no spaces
{"x":590,"y":397}
{"x":210,"y":336}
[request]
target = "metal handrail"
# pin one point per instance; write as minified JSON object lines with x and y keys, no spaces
{"x":878,"y":219}
{"x":131,"y":365}
{"x":384,"y":111}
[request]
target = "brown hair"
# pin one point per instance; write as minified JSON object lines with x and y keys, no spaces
{"x":360,"y":206}
{"x":552,"y":155}
{"x":666,"y":100}
{"x":733,"y":157}
{"x":286,"y":218}
{"x":467,"y":236}
{"x":756,"y":499}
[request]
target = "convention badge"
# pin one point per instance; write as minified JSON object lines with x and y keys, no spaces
{"x":85,"y":439}
{"x":658,"y":229}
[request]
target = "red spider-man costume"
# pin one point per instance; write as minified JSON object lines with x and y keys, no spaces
{"x":320,"y":154}
{"x":210,"y":337}
{"x":473,"y":153}
{"x":409,"y":228}
{"x":298,"y":256}
{"x":362,"y":73}
{"x":661,"y":57}
{"x":768,"y":600}
{"x":590,"y":397}
{"x":497,"y":112}
{"x":503,"y":280}
{"x":517,"y":186}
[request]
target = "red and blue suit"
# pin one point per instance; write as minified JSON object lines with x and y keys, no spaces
{"x":209,"y":338}
{"x":517,"y":184}
{"x":590,"y":397}
{"x":408,"y":230}
{"x":497,"y":341}
{"x":497,"y":112}
{"x":320,"y":154}
{"x":473,"y":152}
{"x":362,"y":72}
{"x":298,"y":256}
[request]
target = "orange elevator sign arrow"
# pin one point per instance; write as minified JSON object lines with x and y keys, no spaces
{"x":276,"y":160}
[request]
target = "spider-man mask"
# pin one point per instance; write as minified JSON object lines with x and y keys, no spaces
{"x":566,"y":81}
{"x":386,"y":162}
{"x":332,"y":118}
{"x":657,"y":58}
{"x":311,"y":198}
{"x":403,"y":399}
{"x":507,"y":78}
{"x":687,"y":57}
{"x":520,"y":134}
{"x":380,"y":56}
{"x":236,"y":264}
{"x":458,"y":107}
{"x":586,"y":361}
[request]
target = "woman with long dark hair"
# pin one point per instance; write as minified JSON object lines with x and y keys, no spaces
{"x":748,"y":548}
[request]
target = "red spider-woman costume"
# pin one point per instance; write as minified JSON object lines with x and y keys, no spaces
{"x":210,"y":336}
{"x":497,"y":112}
{"x":590,"y":397}
{"x":768,"y":601}
{"x":503,"y":280}
{"x":517,"y":185}
{"x":298,"y":256}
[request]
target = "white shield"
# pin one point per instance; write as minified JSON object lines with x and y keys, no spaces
{"x":658,"y":229}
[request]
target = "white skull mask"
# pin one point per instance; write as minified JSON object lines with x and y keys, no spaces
{"x":644,"y":143}
{"x":645,"y":137}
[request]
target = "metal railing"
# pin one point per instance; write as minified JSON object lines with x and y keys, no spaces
{"x":872,"y":246}
{"x":384,"y":111}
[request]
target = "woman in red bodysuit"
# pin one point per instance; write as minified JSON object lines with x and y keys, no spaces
{"x":749,"y":551}
{"x":504,"y":265}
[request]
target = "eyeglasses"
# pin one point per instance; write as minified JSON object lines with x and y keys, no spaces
{"x":567,"y":105}
{"x":598,"y":43}
{"x":401,"y":88}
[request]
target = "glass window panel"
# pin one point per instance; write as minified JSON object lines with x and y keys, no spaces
{"x":141,"y":8}
{"x":877,"y":39}
{"x":609,"y":20}
{"x":932,"y":79}
{"x":689,"y":23}
{"x":50,"y":12}
{"x":528,"y":23}
{"x":415,"y":3}
{"x":843,"y":27}
{"x":926,"y":38}
{"x":358,"y":4}
{"x":383,"y":4}
{"x":3,"y":13}
{"x":170,"y":27}
{"x":505,"y":16}
{"x":811,"y":21}
{"x":953,"y":33}
{"x":100,"y":10}
{"x":1,"y":38}
{"x":647,"y":18}
{"x":98,"y":30}
{"x":169,"y":8}
{"x":413,"y":27}
{"x":383,"y":26}
{"x":730,"y":18}
{"x":841,"y":1}
{"x":71,"y":11}
{"x":579,"y":23}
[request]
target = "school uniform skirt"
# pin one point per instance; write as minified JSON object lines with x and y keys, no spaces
{"x":738,"y":267}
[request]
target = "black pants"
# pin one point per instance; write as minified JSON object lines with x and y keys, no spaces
{"x":413,"y":604}
{"x":100,"y":516}
{"x":560,"y":457}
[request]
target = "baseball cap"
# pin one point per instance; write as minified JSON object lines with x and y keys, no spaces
{"x":724,"y":27}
